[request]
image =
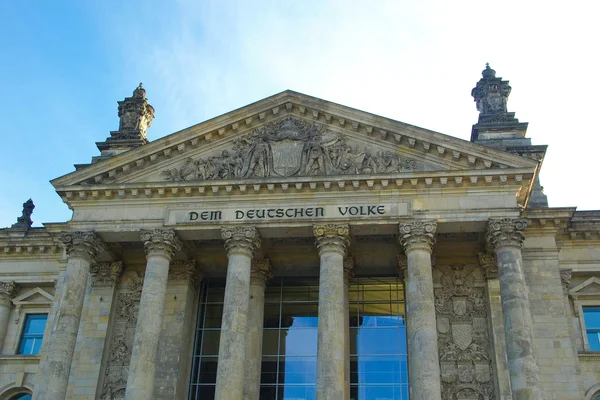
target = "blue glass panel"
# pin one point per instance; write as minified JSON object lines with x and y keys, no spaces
{"x":36,"y":324}
{"x":298,"y":370}
{"x":379,"y":341}
{"x":379,"y":370}
{"x":298,"y":393}
{"x":21,"y":397}
{"x":379,"y":392}
{"x":591,"y":315}
{"x":593,"y":341}
{"x":299,"y":342}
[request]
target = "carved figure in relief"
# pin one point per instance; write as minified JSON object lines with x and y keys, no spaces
{"x":288,"y":148}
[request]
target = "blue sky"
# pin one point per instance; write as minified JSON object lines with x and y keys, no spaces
{"x":65,"y":64}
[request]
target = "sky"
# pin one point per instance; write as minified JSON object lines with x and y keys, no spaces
{"x":64,"y":65}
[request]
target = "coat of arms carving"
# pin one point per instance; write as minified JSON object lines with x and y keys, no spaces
{"x":290,"y":147}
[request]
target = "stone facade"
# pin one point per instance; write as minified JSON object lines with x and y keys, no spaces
{"x":496,"y":284}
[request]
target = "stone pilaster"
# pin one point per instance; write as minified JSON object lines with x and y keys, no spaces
{"x":81,"y":249}
{"x":240,"y":243}
{"x":348,"y":275}
{"x":332,"y":243}
{"x":260,"y":274}
{"x":91,"y":338}
{"x":417,"y":238}
{"x":160,"y":246}
{"x":505,"y":237}
{"x":7,"y":292}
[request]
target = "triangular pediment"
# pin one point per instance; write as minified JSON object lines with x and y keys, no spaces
{"x":291,"y":135}
{"x":35,"y":296}
{"x":589,"y":287}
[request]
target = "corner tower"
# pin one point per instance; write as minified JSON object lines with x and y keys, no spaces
{"x":498,"y":128}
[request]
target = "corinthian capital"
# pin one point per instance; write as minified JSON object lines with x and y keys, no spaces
{"x":241,"y":239}
{"x":160,"y":242}
{"x":261,"y":272}
{"x":106,"y":273}
{"x":185,"y":272}
{"x":332,"y":238}
{"x":505,"y":232}
{"x":402,"y":270}
{"x":489,"y":263}
{"x":82,"y":244}
{"x":417,"y":235}
{"x":8,"y":290}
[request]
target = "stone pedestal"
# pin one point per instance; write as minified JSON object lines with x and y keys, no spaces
{"x":240,"y":243}
{"x":160,"y":245}
{"x":7,"y":291}
{"x":260,"y":274}
{"x":417,"y":238}
{"x":81,"y":249}
{"x":505,"y":237}
{"x":332,"y":243}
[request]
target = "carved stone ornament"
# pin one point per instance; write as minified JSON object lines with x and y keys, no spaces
{"x":24,"y":221}
{"x":463,"y":340}
{"x":185,"y":272}
{"x":135,"y":116}
{"x":123,"y":331}
{"x":417,"y":235}
{"x":506,"y":232}
{"x":82,"y":244}
{"x":160,"y":242}
{"x":8,"y":290}
{"x":565,"y":279}
{"x":402,"y":267}
{"x":332,"y":238}
{"x":489,"y":263}
{"x":241,"y":239}
{"x":491,"y":93}
{"x":261,"y":272}
{"x":106,"y":273}
{"x":348,"y":269}
{"x":290,"y":147}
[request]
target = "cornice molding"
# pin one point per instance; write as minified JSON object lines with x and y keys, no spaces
{"x":304,"y":107}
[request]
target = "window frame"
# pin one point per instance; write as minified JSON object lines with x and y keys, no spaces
{"x":579,"y":306}
{"x":26,"y":317}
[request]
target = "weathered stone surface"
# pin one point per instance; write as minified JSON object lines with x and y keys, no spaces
{"x":332,"y":244}
{"x":240,"y":243}
{"x":417,"y":238}
{"x":506,"y":237}
{"x":81,"y":249}
{"x":259,"y":276}
{"x":7,"y":291}
{"x":160,"y":246}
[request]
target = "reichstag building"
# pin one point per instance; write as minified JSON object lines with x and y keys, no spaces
{"x":298,"y":249}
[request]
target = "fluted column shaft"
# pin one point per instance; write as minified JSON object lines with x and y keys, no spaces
{"x":417,"y":238}
{"x":259,"y":275}
{"x":160,"y":246}
{"x":505,"y":237}
{"x":7,"y":291}
{"x":332,"y":243}
{"x":81,"y":249}
{"x":240,"y":243}
{"x":348,"y":275}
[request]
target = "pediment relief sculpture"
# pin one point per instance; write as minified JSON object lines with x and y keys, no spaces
{"x":287,"y":148}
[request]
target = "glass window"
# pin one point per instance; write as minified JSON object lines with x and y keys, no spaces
{"x":591,"y":316}
{"x":22,"y":396}
{"x":33,"y":333}
{"x":378,"y":359}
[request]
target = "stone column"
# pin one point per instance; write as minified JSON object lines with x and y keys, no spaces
{"x":7,"y":292}
{"x":160,"y":246}
{"x":505,"y":237}
{"x":240,"y":243}
{"x":81,"y":249}
{"x":259,"y":275}
{"x":417,"y":239}
{"x":348,"y":275}
{"x":332,"y":243}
